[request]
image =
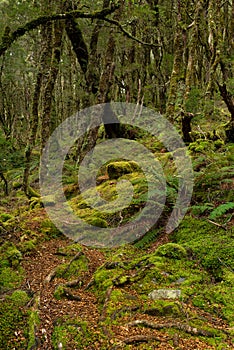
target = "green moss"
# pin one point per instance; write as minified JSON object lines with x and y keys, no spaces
{"x":59,"y":292}
{"x":10,"y":253}
{"x":209,"y":244}
{"x":172,"y":251}
{"x":49,"y":229}
{"x":13,"y":319}
{"x":33,"y":322}
{"x":10,"y":278}
{"x":163,"y":308}
{"x":49,"y":200}
{"x":103,"y":278}
{"x":96,"y":221}
{"x":28,"y":246}
{"x":16,"y":185}
{"x":5,"y":217}
{"x":71,"y":249}
{"x":73,"y":269}
{"x":117,"y":169}
{"x":19,"y":297}
{"x":73,"y":334}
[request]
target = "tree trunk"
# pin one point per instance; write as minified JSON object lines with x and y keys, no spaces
{"x":179,"y":45}
{"x":46,"y":42}
{"x":50,"y":80}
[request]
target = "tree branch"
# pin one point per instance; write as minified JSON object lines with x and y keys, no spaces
{"x":8,"y":38}
{"x":127,"y":34}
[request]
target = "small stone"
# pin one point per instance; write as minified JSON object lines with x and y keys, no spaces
{"x":165,"y":294}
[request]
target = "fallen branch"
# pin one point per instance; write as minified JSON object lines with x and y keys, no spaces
{"x":141,"y":339}
{"x":123,"y":280}
{"x":182,"y":327}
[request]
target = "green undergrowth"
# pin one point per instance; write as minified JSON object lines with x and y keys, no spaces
{"x":11,"y":273}
{"x":73,"y":333}
{"x":213,"y":170}
{"x":198,"y":262}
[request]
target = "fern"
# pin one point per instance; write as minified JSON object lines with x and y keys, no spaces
{"x":221,"y":210}
{"x":148,"y":238}
{"x":201,"y":209}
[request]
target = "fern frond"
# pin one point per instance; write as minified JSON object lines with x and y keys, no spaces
{"x":221,"y":210}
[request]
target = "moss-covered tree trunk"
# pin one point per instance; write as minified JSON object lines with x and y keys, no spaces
{"x":34,"y":122}
{"x":49,"y":81}
{"x":179,"y":47}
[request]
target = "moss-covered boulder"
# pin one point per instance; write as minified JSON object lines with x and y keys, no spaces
{"x":97,"y":221}
{"x":117,"y":169}
{"x":172,"y":251}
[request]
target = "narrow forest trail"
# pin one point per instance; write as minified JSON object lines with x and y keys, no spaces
{"x":41,"y":264}
{"x":37,"y":268}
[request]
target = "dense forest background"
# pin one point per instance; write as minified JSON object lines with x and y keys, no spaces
{"x":58,"y":57}
{"x":164,"y":290}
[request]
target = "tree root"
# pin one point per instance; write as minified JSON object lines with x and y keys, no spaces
{"x":179,"y":326}
{"x":137,"y":339}
{"x":76,"y":257}
{"x":115,"y":314}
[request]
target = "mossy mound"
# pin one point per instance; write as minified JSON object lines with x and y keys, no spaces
{"x":172,"y":251}
{"x":210,"y":244}
{"x":120,"y":168}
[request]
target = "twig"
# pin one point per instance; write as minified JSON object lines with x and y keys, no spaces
{"x":216,"y":224}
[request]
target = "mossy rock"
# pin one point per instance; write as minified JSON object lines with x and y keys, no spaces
{"x":120,"y":168}
{"x":49,"y":200}
{"x":164,"y":308}
{"x":49,"y":229}
{"x":96,"y":221}
{"x":172,"y":251}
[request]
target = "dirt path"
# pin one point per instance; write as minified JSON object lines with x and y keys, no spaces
{"x":39,"y":265}
{"x":37,"y":268}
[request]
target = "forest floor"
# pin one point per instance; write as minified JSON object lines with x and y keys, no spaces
{"x":162,"y":292}
{"x":87,"y":316}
